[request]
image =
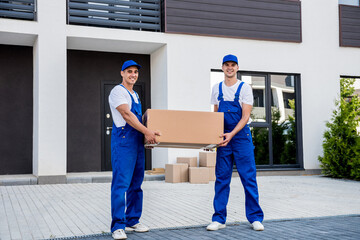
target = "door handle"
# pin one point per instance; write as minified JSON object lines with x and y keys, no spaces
{"x":108,"y":130}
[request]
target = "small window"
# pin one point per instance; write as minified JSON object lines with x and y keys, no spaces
{"x":290,"y":81}
{"x":216,"y":76}
{"x":357,"y":86}
{"x":349,"y":2}
{"x":357,"y":91}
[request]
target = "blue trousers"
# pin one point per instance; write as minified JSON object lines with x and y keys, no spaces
{"x":128,"y":163}
{"x":241,"y":150}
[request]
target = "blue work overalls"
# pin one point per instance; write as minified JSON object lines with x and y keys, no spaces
{"x":128,"y":165}
{"x":241,"y":150}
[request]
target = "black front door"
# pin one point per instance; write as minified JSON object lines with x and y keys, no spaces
{"x":16,"y":104}
{"x":108,"y":123}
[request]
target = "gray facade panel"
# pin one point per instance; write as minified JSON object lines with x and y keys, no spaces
{"x":135,"y":15}
{"x":232,"y":17}
{"x":258,"y":19}
{"x":351,"y":42}
{"x":349,"y":26}
{"x":18,"y":9}
{"x":239,"y":33}
{"x":231,"y":25}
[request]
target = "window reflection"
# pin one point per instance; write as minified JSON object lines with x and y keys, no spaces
{"x":261,"y":143}
{"x":283,"y":119}
{"x":257,"y":83}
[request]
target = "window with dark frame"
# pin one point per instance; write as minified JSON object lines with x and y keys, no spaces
{"x":276,"y":118}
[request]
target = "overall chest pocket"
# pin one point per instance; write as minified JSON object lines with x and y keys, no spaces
{"x":229,"y":108}
{"x":231,"y":115}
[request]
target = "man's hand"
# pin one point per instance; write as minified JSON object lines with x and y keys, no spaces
{"x":228,"y":137}
{"x":150,"y":136}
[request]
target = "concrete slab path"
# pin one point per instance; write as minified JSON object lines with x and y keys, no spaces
{"x":68,"y":210}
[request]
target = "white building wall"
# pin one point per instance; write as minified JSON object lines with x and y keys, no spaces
{"x":159,"y":96}
{"x":180,"y":71}
{"x":50,"y":90}
{"x":318,"y":59}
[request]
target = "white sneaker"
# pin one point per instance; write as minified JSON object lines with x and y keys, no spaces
{"x":215,"y":226}
{"x":119,"y":234}
{"x":137,"y":228}
{"x":257,"y":226}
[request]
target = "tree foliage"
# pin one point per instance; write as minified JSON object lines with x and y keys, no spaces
{"x":341,"y":145}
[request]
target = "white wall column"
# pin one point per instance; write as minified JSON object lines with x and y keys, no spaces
{"x":49,"y":145}
{"x":159,"y":97}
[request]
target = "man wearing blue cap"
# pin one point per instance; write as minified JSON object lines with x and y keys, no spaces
{"x":235,"y":99}
{"x":127,"y":154}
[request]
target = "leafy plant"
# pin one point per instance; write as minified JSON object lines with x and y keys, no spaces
{"x":341,"y":145}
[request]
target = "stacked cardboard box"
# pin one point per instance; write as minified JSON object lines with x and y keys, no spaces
{"x":176,"y":172}
{"x":198,"y":175}
{"x":208,"y":160}
{"x":212,"y":176}
{"x":186,"y":169}
{"x":191,"y":161}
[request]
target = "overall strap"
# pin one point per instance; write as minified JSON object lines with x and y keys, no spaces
{"x":137,"y":95}
{"x":237,"y":94}
{"x":220,"y":97}
{"x":130,"y":93}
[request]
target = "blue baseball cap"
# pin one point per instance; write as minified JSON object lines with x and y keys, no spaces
{"x":230,"y":58}
{"x":129,"y":63}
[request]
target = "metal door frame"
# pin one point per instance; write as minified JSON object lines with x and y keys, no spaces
{"x":298,"y":117}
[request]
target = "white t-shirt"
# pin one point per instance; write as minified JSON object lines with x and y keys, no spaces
{"x":118,"y":96}
{"x":246,"y":94}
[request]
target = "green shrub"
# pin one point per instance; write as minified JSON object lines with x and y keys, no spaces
{"x":341,"y":145}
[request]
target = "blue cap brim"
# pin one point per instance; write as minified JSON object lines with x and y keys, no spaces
{"x":129,"y":63}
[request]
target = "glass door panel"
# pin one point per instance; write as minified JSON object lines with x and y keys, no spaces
{"x":258,"y":113}
{"x":261,"y":142}
{"x":283,"y":119}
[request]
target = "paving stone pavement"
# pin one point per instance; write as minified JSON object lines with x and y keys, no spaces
{"x":70,"y":210}
{"x":339,"y":227}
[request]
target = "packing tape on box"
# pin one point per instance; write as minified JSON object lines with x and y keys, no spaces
{"x":151,"y":145}
{"x":210,"y":147}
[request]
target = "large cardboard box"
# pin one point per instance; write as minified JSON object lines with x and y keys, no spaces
{"x":191,"y":161}
{"x":176,"y":172}
{"x":212,"y":175}
{"x":207,"y":159}
{"x":198,"y":175}
{"x":185,"y":129}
